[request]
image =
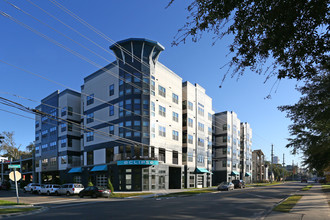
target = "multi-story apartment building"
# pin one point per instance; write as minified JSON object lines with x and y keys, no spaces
{"x":259,"y":169}
{"x":136,"y":102}
{"x":226,"y":147}
{"x":197,"y":136}
{"x":246,"y":152}
{"x":57,"y":137}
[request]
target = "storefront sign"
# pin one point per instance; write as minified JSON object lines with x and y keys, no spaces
{"x":137,"y":162}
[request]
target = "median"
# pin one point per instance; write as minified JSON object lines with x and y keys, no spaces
{"x":7,"y":207}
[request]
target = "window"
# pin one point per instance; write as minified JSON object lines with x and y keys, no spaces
{"x":52,"y":130}
{"x":70,"y":110}
{"x":111,"y":89}
{"x":190,"y":157}
{"x":190,"y":106}
{"x":137,"y":123}
{"x":161,"y":91}
{"x":63,"y":111}
{"x":162,"y":131}
{"x":128,"y":104}
{"x":162,"y":111}
{"x":200,"y":111}
{"x":209,"y":130}
{"x":175,"y":98}
{"x":137,"y":134}
{"x":128,"y":123}
{"x":90,"y":158}
{"x":89,"y":136}
{"x":175,"y":135}
{"x":137,"y":77}
{"x":90,"y":118}
{"x":63,"y":127}
{"x":44,"y":133}
{"x":37,"y":124}
{"x":190,"y":122}
{"x":152,"y":87}
{"x":69,"y":126}
{"x":146,"y":104}
{"x":201,"y":142}
{"x":128,"y":134}
{"x":190,"y":139}
{"x":175,"y":117}
{"x":175,"y":157}
{"x":153,"y":107}
{"x":137,"y":104}
{"x":200,"y":126}
{"x":63,"y":143}
{"x":90,"y":99}
{"x":111,"y":129}
{"x":52,"y":145}
{"x":121,"y":129}
{"x":121,"y":111}
{"x":209,"y":116}
{"x":224,"y":139}
{"x":162,"y":154}
{"x":111,"y":110}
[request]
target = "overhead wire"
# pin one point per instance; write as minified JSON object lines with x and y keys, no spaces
{"x":85,"y":37}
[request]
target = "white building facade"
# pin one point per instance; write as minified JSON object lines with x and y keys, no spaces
{"x":197,"y":136}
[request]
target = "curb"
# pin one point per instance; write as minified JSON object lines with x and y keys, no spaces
{"x":271,"y":209}
{"x":42,"y":209}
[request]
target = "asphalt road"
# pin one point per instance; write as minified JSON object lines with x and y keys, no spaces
{"x":250,"y":203}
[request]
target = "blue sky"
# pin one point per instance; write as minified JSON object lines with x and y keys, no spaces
{"x":195,"y":62}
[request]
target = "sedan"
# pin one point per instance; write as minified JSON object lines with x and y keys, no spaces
{"x":226,"y":186}
{"x":94,"y":192}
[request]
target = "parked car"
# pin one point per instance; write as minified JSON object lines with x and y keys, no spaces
{"x":226,"y":186}
{"x":31,"y":187}
{"x":94,"y":192}
{"x":49,"y":189}
{"x":238,"y":183}
{"x":303,"y":180}
{"x":69,"y":189}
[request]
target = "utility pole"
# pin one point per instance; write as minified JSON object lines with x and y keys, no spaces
{"x":292,"y":170}
{"x":283,"y":167}
{"x":271,"y":164}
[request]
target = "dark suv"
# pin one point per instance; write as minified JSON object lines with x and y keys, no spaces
{"x":239,"y":183}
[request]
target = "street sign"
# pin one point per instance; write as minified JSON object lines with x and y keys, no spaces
{"x":12,"y":177}
{"x":14,"y":166}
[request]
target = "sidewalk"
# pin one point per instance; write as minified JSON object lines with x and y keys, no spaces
{"x":312,"y":206}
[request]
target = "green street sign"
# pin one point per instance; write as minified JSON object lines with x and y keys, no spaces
{"x":14,"y":166}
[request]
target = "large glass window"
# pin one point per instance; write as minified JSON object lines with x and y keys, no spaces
{"x":111,"y":89}
{"x":200,"y":126}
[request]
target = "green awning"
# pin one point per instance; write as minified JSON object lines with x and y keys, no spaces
{"x":202,"y":170}
{"x":247,"y":174}
{"x":234,"y":173}
{"x":75,"y":170}
{"x":99,"y":168}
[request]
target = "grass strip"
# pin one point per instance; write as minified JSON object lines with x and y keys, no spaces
{"x":16,"y":210}
{"x":263,"y":184}
{"x":124,"y":195}
{"x":188,"y":193}
{"x":308,"y":187}
{"x":8,"y":203}
{"x":288,"y":204}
